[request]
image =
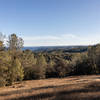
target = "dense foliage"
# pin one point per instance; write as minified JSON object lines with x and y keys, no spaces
{"x":17,"y":64}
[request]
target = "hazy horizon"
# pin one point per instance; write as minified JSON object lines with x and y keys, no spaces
{"x":52,"y":22}
{"x":59,"y":45}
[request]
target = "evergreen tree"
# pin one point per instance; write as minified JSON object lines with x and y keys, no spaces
{"x":41,"y":65}
{"x":92,"y":59}
{"x":16,"y":70}
{"x":15,"y":43}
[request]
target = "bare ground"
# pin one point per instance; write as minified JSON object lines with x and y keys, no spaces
{"x":70,"y":88}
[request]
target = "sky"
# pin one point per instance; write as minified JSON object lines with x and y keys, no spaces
{"x":52,"y":22}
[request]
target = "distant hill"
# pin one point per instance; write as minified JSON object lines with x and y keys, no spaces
{"x":57,"y":48}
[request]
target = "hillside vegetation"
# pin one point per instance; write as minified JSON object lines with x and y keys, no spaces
{"x":17,"y":65}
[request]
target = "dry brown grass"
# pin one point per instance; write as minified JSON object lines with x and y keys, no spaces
{"x":70,"y":88}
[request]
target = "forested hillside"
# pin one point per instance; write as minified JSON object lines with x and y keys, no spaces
{"x":57,"y":48}
{"x":17,"y":64}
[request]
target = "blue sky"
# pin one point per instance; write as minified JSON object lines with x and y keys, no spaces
{"x":52,"y":22}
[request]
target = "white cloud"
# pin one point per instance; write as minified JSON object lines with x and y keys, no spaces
{"x":48,"y":37}
{"x":41,"y":38}
{"x":63,"y":39}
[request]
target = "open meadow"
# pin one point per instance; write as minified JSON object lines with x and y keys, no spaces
{"x":70,"y":88}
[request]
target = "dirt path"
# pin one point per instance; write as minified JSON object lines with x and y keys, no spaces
{"x":70,"y":88}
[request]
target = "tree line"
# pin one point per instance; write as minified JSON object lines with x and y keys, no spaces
{"x":17,"y":64}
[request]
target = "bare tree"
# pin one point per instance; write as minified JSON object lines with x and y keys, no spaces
{"x":2,"y":37}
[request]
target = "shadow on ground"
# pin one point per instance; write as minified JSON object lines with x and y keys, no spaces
{"x":64,"y":94}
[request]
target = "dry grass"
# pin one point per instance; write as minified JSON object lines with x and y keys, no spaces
{"x":70,"y":88}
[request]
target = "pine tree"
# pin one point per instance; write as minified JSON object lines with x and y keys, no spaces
{"x":41,"y":64}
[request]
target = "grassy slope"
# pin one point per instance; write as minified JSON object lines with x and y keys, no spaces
{"x":70,"y":88}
